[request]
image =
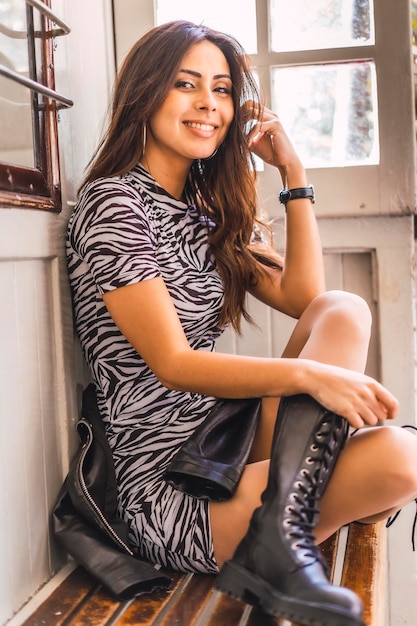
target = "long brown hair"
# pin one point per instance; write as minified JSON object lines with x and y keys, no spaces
{"x":225,"y":184}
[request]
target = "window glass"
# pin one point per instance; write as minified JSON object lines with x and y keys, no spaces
{"x":13,"y":48}
{"x":317,"y":24}
{"x":329,"y":112}
{"x":29,"y":158}
{"x":236,"y":17}
{"x":16,"y":142}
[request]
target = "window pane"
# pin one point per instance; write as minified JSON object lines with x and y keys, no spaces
{"x":236,"y":17}
{"x":16,"y":143}
{"x":13,"y":46}
{"x":317,"y":24}
{"x":330,"y":112}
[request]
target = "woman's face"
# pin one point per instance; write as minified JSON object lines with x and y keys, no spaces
{"x":196,"y":115}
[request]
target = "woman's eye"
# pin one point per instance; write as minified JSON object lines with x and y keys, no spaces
{"x":183,"y":84}
{"x":224,"y":90}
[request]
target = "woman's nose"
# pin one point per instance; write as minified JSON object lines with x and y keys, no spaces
{"x":206,"y":100}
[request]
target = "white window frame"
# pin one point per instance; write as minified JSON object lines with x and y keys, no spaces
{"x":366,"y":190}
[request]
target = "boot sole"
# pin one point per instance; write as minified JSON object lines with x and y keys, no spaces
{"x":241,"y":584}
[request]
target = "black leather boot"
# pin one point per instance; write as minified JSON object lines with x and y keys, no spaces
{"x":277,"y":566}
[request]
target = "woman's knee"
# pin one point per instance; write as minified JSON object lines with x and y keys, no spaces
{"x":403,"y":446}
{"x":395,"y":449}
{"x":344,"y":308}
{"x":350,"y":303}
{"x":335,"y":328}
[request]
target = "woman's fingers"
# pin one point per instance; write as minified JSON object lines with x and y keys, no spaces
{"x":269,"y":141}
{"x":387,"y":403}
{"x":377,"y":405}
{"x":357,"y":397}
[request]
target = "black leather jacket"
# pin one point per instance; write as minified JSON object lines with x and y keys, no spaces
{"x":85,"y":519}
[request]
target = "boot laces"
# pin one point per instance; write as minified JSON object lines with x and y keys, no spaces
{"x":300,"y":522}
{"x":303,"y":510}
{"x":324,"y":446}
{"x":333,"y":429}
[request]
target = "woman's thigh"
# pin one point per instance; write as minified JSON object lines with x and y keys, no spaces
{"x":376,"y":474}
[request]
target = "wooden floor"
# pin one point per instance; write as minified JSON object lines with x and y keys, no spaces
{"x":192,"y":601}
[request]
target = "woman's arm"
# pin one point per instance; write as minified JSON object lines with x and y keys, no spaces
{"x":302,"y":278}
{"x":145,"y":314}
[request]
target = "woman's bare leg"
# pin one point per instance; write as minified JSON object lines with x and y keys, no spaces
{"x":334,"y":329}
{"x":376,"y":472}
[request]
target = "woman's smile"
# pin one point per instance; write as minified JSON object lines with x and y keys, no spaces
{"x":200,"y":126}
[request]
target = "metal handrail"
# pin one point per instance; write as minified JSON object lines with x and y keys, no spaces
{"x":35,"y":86}
{"x":43,"y":8}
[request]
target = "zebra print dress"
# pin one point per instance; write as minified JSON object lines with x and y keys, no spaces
{"x":124,"y":230}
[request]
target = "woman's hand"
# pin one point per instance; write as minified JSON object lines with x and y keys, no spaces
{"x":269,"y":141}
{"x":362,"y":400}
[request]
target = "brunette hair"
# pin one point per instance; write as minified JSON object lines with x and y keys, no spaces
{"x":224,"y":185}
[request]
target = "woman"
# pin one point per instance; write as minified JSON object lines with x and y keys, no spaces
{"x":163,"y":247}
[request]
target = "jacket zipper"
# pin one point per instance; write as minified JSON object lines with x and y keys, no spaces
{"x":95,"y":509}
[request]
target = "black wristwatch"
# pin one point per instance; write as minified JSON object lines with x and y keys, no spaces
{"x":285,"y":195}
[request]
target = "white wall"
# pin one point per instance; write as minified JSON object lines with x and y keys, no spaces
{"x":39,"y":363}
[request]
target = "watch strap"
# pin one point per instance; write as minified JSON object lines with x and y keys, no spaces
{"x":285,"y":195}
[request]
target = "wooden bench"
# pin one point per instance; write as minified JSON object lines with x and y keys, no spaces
{"x":356,"y":556}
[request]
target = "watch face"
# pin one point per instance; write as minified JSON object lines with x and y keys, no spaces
{"x":284,"y":196}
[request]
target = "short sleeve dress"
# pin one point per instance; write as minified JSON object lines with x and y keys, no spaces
{"x":124,"y":230}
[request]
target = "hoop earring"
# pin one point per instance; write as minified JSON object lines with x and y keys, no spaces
{"x":144,"y":138}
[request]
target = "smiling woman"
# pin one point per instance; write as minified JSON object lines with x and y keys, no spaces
{"x":164,"y":246}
